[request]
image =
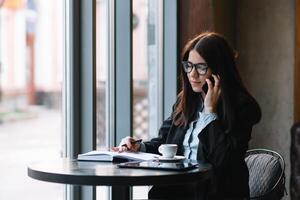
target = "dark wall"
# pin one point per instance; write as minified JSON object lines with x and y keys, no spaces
{"x":224,"y":15}
{"x":263,"y":32}
{"x":195,"y":16}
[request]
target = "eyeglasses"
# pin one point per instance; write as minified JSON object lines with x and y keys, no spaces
{"x":201,"y":68}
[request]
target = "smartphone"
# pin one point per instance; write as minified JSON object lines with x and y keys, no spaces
{"x":205,"y":86}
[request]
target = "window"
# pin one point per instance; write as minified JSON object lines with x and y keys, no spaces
{"x":147,"y":67}
{"x":30,"y":94}
{"x":38,"y":49}
{"x":102,"y":63}
{"x":147,"y":72}
{"x":113,"y":77}
{"x":102,"y":85}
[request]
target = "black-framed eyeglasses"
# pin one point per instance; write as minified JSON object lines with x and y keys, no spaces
{"x":201,"y":68}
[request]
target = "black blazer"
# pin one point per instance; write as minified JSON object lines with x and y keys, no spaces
{"x":225,"y":151}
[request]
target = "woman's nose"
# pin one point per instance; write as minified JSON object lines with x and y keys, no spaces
{"x":194,"y":72}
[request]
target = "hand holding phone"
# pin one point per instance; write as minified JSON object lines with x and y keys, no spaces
{"x":205,"y":86}
{"x":211,"y":98}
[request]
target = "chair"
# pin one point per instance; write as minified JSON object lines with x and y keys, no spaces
{"x":266,"y":174}
{"x":295,"y":162}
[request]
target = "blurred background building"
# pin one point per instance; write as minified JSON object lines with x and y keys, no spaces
{"x":31,"y":77}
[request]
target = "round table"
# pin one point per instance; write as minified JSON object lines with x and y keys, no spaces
{"x":75,"y":172}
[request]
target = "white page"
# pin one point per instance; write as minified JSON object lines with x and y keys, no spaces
{"x":136,"y":156}
{"x":139,"y":155}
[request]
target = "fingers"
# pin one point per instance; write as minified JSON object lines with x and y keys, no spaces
{"x":219,"y":92}
{"x":115,"y":148}
{"x":122,"y":149}
{"x":125,"y":145}
{"x":126,"y":142}
{"x":128,"y":145}
{"x":209,"y":84}
{"x":119,"y":149}
{"x":213,"y":94}
{"x":217,"y":80}
{"x":215,"y":88}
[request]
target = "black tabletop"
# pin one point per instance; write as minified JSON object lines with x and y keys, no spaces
{"x":106,"y":173}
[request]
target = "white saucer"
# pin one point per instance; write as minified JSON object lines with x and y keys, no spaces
{"x":175,"y":158}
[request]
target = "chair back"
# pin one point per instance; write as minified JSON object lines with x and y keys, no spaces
{"x":266,"y":174}
{"x":295,"y":162}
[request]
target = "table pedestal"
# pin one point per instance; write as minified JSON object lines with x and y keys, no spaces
{"x":121,"y":192}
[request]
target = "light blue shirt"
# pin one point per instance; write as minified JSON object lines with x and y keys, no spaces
{"x":191,"y":141}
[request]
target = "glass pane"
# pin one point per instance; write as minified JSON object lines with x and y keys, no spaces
{"x":31,"y":50}
{"x":146,"y":44}
{"x":102,"y":63}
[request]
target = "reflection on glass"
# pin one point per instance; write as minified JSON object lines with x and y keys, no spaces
{"x":145,"y":58}
{"x":140,"y":68}
{"x":31,"y":70}
{"x":102,"y":64}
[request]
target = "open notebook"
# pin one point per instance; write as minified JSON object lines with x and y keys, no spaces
{"x":115,"y":156}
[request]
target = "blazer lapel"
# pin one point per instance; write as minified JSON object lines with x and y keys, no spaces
{"x":178,"y":137}
{"x":200,"y":155}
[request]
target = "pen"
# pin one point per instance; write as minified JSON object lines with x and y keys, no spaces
{"x":133,"y":142}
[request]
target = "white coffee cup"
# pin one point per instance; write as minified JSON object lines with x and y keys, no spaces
{"x":168,"y":150}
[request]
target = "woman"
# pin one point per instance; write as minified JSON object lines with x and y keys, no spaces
{"x":211,"y":121}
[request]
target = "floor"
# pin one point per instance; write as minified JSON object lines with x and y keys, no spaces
{"x":24,"y":141}
{"x":29,"y":139}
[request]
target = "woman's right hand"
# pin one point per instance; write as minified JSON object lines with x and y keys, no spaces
{"x":126,"y":145}
{"x":213,"y":94}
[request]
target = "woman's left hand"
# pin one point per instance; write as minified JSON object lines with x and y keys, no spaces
{"x":212,"y":96}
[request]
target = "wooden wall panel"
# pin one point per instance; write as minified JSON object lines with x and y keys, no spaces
{"x":195,"y":16}
{"x":297,"y":64}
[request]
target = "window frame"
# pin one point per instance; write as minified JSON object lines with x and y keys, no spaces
{"x":170,"y":55}
{"x":79,"y":96}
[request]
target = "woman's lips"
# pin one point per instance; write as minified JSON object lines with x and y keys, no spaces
{"x":195,"y":82}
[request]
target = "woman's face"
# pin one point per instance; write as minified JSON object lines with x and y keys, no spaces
{"x":196,"y":80}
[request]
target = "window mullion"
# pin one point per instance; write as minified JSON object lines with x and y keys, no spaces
{"x":80,"y":84}
{"x":170,"y":57}
{"x":123,"y":76}
{"x":123,"y":62}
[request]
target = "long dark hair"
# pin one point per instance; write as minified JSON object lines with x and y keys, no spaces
{"x":220,"y":58}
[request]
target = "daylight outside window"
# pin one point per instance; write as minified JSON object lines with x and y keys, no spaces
{"x":146,"y":64}
{"x":102,"y":63}
{"x":31,"y":50}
